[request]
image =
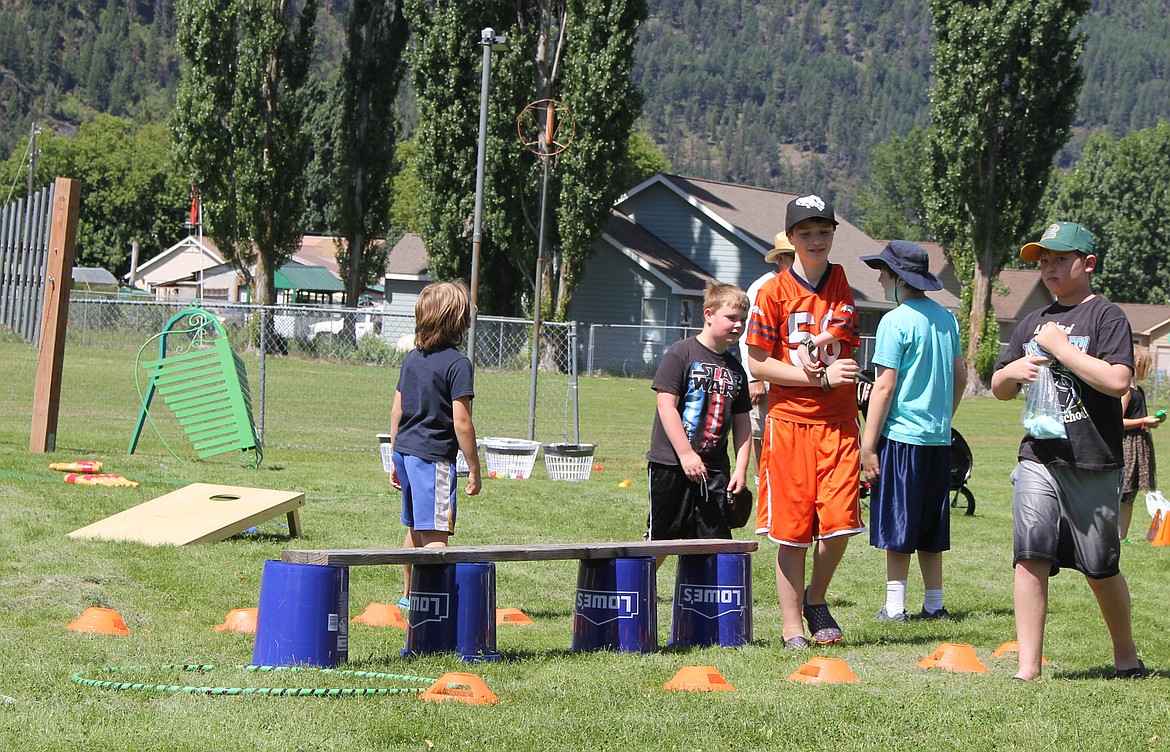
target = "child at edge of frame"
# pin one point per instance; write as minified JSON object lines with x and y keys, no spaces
{"x":1140,"y":471}
{"x":1066,"y":491}
{"x":702,"y":390}
{"x":430,"y":421}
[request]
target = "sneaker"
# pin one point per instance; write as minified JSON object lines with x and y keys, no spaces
{"x":796,"y":643}
{"x":901,"y":617}
{"x":824,"y":628}
{"x":404,"y":604}
{"x":1137,"y":672}
{"x":941,"y":614}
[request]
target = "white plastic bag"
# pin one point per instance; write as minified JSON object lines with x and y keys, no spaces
{"x":1156,"y":502}
{"x":1043,"y":415}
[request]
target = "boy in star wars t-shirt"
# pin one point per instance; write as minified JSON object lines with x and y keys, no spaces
{"x":702,"y":393}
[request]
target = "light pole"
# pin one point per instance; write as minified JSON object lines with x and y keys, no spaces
{"x":489,"y":41}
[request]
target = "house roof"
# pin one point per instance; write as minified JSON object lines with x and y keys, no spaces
{"x":297,"y":276}
{"x":89,"y":276}
{"x":1146,"y":319}
{"x":756,"y":215}
{"x":184,"y":246}
{"x":318,"y":250}
{"x":656,"y":257}
{"x":408,"y":258}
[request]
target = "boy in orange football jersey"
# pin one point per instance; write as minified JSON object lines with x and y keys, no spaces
{"x":811,"y":467}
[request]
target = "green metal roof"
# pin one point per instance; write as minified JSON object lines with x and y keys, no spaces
{"x":294,"y":276}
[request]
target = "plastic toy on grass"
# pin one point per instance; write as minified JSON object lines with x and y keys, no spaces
{"x":100,"y":479}
{"x":823,"y":671}
{"x":81,"y":466}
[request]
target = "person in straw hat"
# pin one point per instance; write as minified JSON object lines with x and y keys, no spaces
{"x":781,"y":254}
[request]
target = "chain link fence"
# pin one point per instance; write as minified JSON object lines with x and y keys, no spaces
{"x":283,"y":346}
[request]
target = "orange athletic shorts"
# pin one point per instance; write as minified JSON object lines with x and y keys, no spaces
{"x":809,"y":482}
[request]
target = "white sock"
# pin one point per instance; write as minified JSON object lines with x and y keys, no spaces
{"x":933,"y":600}
{"x":895,"y":597}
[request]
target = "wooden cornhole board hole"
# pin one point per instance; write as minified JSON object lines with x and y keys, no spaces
{"x":198,"y":513}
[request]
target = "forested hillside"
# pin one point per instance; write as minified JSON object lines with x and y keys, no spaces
{"x":783,"y":93}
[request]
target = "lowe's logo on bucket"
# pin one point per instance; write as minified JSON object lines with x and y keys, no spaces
{"x":603,"y":606}
{"x":428,"y":607}
{"x":711,"y":601}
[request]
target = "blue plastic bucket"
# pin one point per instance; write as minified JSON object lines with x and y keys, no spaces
{"x":476,"y":631}
{"x":616,"y":605}
{"x":431,"y":625}
{"x":302,"y":616}
{"x":712,"y":600}
{"x":453,"y":609}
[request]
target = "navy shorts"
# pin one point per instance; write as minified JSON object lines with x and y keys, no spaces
{"x":681,"y":508}
{"x":909,"y":505}
{"x":1066,"y":516}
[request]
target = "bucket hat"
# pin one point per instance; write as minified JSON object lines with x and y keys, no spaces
{"x":909,"y":261}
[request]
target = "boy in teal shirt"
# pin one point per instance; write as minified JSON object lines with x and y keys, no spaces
{"x":906,"y":447}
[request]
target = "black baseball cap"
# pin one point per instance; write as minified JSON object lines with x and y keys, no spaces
{"x":811,"y":206}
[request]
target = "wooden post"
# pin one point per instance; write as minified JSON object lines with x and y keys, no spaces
{"x":55,"y":316}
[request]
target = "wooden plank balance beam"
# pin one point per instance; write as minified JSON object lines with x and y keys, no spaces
{"x":453,"y":595}
{"x":353,"y":557}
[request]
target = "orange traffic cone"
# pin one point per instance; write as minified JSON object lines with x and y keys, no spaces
{"x":953,"y":656}
{"x":1162,"y":538}
{"x":100,"y":621}
{"x":698,"y":679}
{"x":467,"y":688}
{"x":823,"y":671}
{"x":381,"y":615}
{"x":512,"y":616}
{"x":239,"y":620}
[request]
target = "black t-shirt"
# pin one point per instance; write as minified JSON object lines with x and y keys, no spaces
{"x":1091,"y":418}
{"x":710,"y":388}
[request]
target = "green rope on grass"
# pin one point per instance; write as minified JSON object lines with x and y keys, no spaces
{"x":269,"y":691}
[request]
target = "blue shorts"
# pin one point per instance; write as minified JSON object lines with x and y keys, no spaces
{"x":909,"y":505}
{"x":428,"y":493}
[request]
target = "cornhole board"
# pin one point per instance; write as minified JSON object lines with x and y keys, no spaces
{"x":198,"y":513}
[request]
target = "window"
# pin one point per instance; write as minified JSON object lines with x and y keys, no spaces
{"x":653,"y":319}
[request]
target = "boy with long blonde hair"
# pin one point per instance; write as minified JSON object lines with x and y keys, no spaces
{"x":430,"y":421}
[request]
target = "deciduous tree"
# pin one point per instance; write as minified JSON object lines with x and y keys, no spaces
{"x":237,"y":125}
{"x":365,"y":135}
{"x":1120,"y":190}
{"x":1007,"y":79}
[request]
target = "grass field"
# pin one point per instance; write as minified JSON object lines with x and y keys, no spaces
{"x":172,"y":598}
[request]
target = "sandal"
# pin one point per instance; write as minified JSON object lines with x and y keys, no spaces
{"x":824,"y":628}
{"x":796,"y":643}
{"x":1137,"y":672}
